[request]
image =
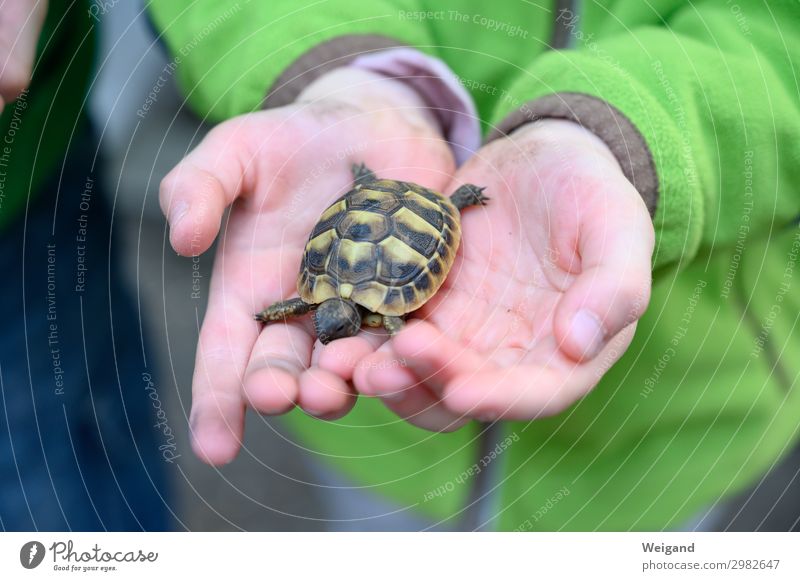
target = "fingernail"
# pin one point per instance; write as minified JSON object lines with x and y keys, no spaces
{"x":177,"y":212}
{"x":587,"y":331}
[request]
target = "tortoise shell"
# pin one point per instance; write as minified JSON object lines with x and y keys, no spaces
{"x":386,"y":245}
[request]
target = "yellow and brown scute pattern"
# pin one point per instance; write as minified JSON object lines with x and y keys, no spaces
{"x":386,"y":245}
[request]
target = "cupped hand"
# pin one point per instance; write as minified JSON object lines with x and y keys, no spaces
{"x":544,"y":296}
{"x":279,"y":169}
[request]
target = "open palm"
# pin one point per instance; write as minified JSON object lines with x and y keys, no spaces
{"x":279,"y":170}
{"x":565,"y":233}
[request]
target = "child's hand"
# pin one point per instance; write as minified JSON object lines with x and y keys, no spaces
{"x":280,"y":169}
{"x":551,"y":278}
{"x":20,"y":25}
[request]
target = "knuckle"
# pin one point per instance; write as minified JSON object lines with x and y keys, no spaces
{"x":274,"y":362}
{"x":212,"y":402}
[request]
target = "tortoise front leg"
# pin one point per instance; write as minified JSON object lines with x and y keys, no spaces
{"x":362,"y":175}
{"x":468,"y":195}
{"x":393,"y":324}
{"x":283,"y":309}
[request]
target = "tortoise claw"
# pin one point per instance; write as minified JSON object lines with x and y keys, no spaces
{"x":468,"y":195}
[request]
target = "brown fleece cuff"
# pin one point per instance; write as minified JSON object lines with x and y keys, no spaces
{"x":324,"y":57}
{"x":605,"y":121}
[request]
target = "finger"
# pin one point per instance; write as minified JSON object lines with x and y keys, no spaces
{"x":20,"y":27}
{"x":613,"y":288}
{"x":386,"y":376}
{"x":196,"y":192}
{"x":518,"y":393}
{"x":422,"y":409}
{"x":527,"y":392}
{"x":343,"y":356}
{"x":281,"y":354}
{"x":433,"y":357}
{"x":383,"y":374}
{"x":217,"y":418}
{"x":324,"y":394}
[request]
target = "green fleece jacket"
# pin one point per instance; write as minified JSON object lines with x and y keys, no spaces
{"x":699,"y":102}
{"x":35,"y":130}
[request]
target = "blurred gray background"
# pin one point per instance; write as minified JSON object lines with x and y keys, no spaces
{"x":261,"y":489}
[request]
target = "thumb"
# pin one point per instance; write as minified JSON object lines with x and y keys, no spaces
{"x":612,"y":290}
{"x":20,"y":25}
{"x":195,"y":193}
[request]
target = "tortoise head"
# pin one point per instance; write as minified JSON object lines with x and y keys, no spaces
{"x":336,"y":319}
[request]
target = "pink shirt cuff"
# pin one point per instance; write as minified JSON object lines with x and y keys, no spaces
{"x":439,"y":88}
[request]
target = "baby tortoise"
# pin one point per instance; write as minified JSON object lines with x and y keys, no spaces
{"x":377,"y":253}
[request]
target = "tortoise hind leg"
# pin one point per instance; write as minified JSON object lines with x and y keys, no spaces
{"x":468,"y":195}
{"x":393,"y":324}
{"x":362,"y":174}
{"x":283,"y":309}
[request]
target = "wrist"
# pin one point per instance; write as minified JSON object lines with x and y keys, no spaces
{"x":370,"y":92}
{"x":558,"y":134}
{"x":611,"y":125}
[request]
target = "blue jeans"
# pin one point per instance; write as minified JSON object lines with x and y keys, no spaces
{"x":80,"y":446}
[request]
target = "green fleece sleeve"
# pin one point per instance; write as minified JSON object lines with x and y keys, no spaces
{"x":235,"y":57}
{"x":702,"y":112}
